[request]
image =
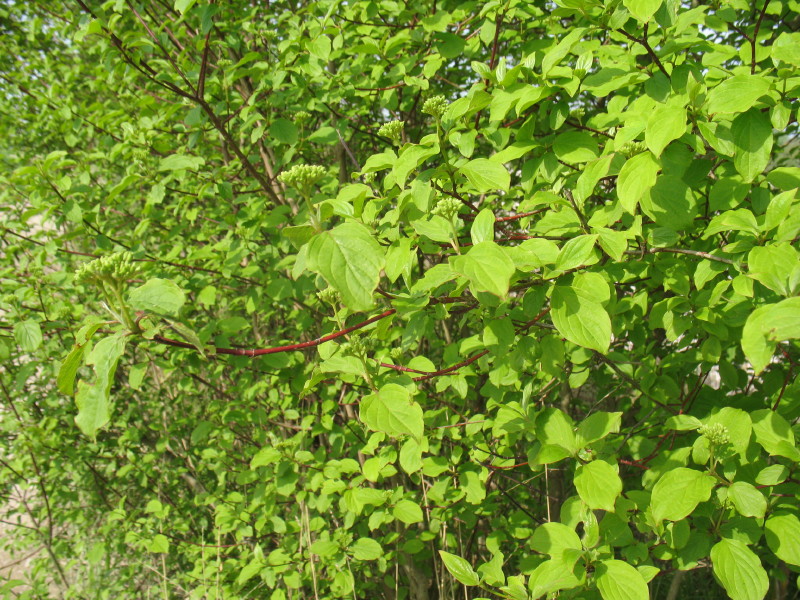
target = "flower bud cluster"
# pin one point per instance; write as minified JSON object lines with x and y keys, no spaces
{"x":577,"y":112}
{"x":302,"y":176}
{"x":119,"y":267}
{"x":447,"y":208}
{"x":329,"y":296}
{"x":358,"y":345}
{"x":633,"y":148}
{"x":392,"y":130}
{"x":435,"y":106}
{"x":716,"y":434}
{"x":302,"y":115}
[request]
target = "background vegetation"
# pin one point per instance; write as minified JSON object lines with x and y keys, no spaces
{"x":381,"y":299}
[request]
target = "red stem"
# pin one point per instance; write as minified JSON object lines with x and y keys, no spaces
{"x":277,"y":349}
{"x":455,"y":367}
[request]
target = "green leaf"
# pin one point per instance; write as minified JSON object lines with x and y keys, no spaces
{"x":554,"y":428}
{"x":28,"y":335}
{"x":787,"y":48}
{"x":366,"y":549}
{"x":459,"y":568}
{"x":266,"y":456}
{"x":782,"y":531}
{"x":581,"y":320}
{"x":350,"y":260}
{"x":69,"y":369}
{"x":752,"y":137}
{"x":184,"y":5}
{"x":777,"y":266}
{"x":575,"y":147}
{"x":554,"y":539}
{"x":284,"y":131}
{"x":551,"y":576}
{"x":740,"y":219}
{"x":617,"y":580}
{"x":92,"y":399}
{"x":250,"y":570}
{"x":598,"y":485}
{"x":488,"y":268}
{"x":614,"y":243}
{"x":577,"y":252}
{"x":159,"y":544}
{"x":683,"y":423}
{"x":553,"y":56}
{"x":482,"y":229}
{"x":232,"y":325}
{"x":160,"y":296}
{"x":678,"y":492}
{"x":737,"y":94}
{"x":778,"y":209}
{"x":324,"y":548}
{"x":774,"y":433}
{"x":768,"y":325}
{"x":636,"y":177}
{"x":667,"y":123}
{"x":436,"y":228}
{"x":324,"y":135}
{"x":597,"y":426}
{"x":642,"y":10}
{"x":486,"y":175}
{"x":320,"y":47}
{"x":590,"y":175}
{"x":391,"y":410}
{"x":772,"y":475}
{"x":408,"y":512}
{"x":739,"y":570}
{"x":178,"y":162}
{"x":747,"y":500}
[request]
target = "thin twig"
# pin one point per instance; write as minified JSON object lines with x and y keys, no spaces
{"x":754,"y":41}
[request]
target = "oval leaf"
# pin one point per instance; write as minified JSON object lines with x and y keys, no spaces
{"x":598,"y":485}
{"x":459,"y":568}
{"x":618,"y":580}
{"x":580,"y":320}
{"x":486,"y":175}
{"x":350,"y":260}
{"x":679,"y":492}
{"x":392,"y":411}
{"x":739,"y":570}
{"x":159,"y":296}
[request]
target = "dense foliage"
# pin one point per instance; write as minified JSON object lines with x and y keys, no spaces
{"x":381,"y":299}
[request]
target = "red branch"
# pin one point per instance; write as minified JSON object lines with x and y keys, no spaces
{"x":455,"y":367}
{"x":286,"y":348}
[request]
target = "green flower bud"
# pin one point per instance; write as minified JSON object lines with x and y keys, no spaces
{"x":329,"y":296}
{"x":118,"y":267}
{"x":301,"y":116}
{"x":716,"y":434}
{"x":633,"y":148}
{"x":447,"y":208}
{"x":357,"y":346}
{"x":392,"y":130}
{"x":435,"y":106}
{"x":577,"y":113}
{"x":302,"y":176}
